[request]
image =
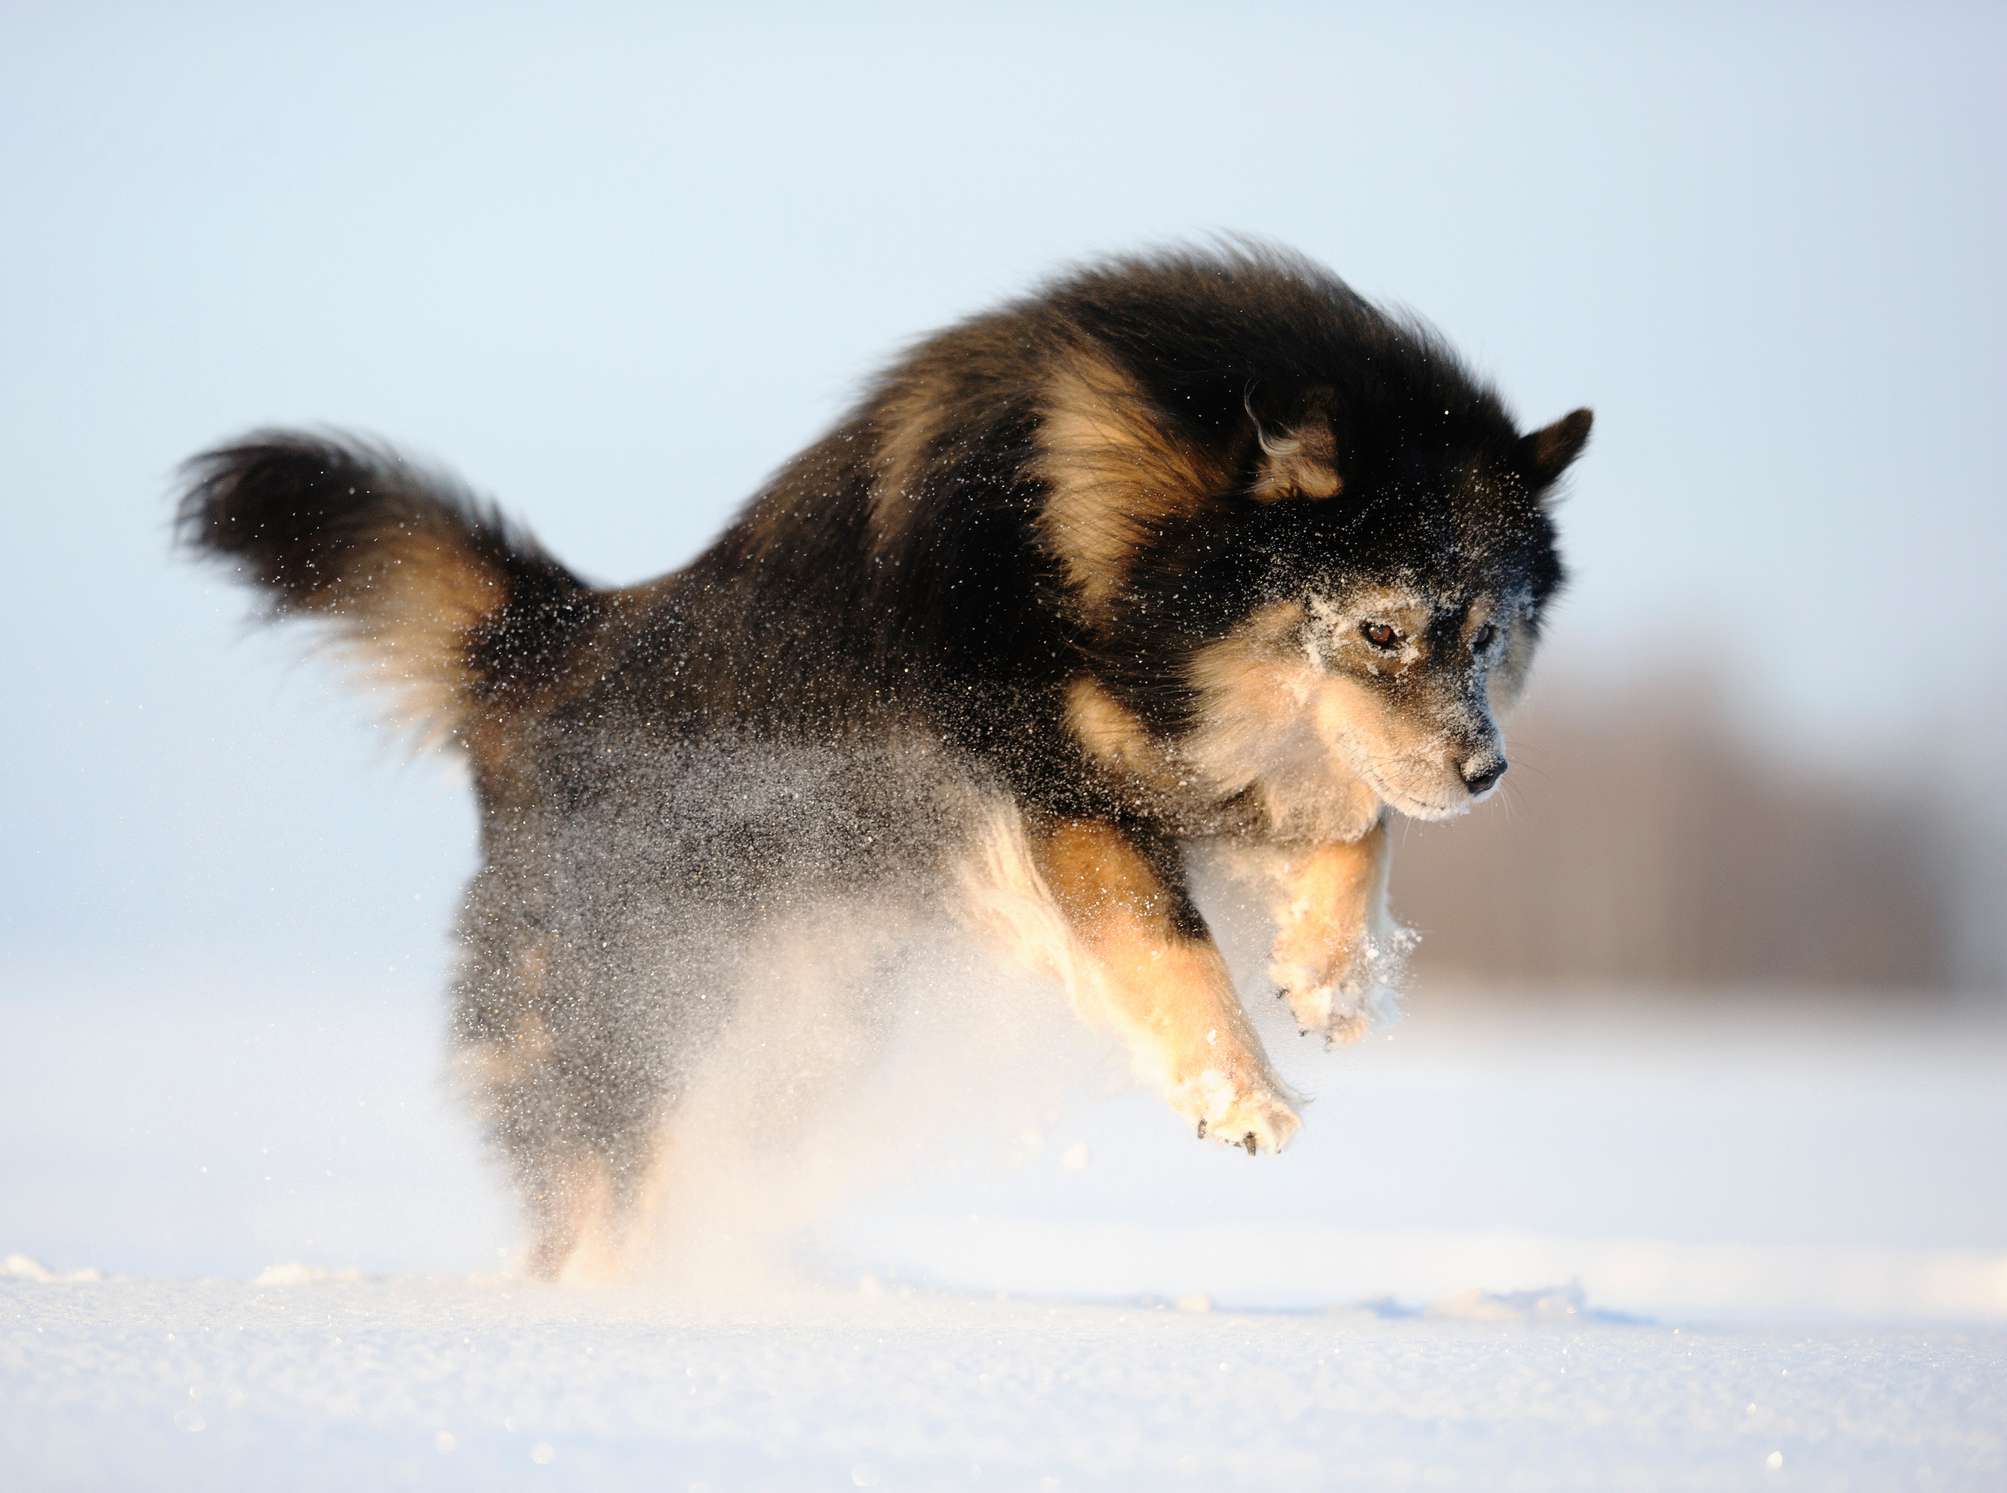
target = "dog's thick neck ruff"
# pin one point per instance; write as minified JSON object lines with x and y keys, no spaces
{"x":1191,"y":545}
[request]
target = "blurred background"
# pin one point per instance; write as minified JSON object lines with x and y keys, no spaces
{"x":615,"y":263}
{"x":615,"y":267}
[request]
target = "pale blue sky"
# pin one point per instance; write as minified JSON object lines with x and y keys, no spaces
{"x":614,"y":264}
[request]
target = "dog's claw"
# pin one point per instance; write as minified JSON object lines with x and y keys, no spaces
{"x":1254,"y":1117}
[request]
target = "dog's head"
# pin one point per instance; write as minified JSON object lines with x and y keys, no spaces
{"x":1360,"y":586}
{"x":1390,"y":603}
{"x":1301,"y":542}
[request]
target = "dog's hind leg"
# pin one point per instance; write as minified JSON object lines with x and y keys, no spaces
{"x":590,"y":1212}
{"x":588,"y":1191}
{"x":1144,"y":961}
{"x":584,"y":1166}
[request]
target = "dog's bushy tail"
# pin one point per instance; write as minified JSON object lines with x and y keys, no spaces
{"x":460,"y":613}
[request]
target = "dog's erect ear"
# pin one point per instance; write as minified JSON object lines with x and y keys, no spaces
{"x":1299,"y":458}
{"x":1549,"y":451}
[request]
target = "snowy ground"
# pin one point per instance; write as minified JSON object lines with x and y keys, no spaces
{"x":1738,"y":1244}
{"x":428,"y":1382}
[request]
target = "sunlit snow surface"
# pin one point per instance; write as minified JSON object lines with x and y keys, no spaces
{"x":417,"y":1381}
{"x":1733,"y":1244}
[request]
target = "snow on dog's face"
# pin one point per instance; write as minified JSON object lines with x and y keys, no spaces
{"x":1397,"y":687}
{"x":1404,"y":688}
{"x":1393,"y":622}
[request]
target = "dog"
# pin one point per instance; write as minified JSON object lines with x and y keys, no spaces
{"x":1199,"y":547}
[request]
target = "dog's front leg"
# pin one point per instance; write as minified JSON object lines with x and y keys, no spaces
{"x":1336,"y":946}
{"x":1164,"y":985}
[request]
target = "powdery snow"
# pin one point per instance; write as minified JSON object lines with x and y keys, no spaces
{"x":1732,"y":1245}
{"x":441,"y":1383}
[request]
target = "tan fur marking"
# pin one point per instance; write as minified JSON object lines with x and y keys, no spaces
{"x":906,"y":424}
{"x":1331,"y":926}
{"x":1112,"y":473}
{"x":1170,"y":993}
{"x":1077,"y":902}
{"x":1110,"y":733}
{"x":1100,"y":879}
{"x":425,"y":594}
{"x":1290,"y":475}
{"x":1400,"y":757}
{"x":1298,"y":466}
{"x":1303,"y":462}
{"x":1259,"y":665}
{"x":1004,"y":898}
{"x":1254,"y":688}
{"x":1320,"y":749}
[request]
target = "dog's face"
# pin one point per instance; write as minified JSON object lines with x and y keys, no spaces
{"x":1394,"y":620}
{"x":1408,"y":683}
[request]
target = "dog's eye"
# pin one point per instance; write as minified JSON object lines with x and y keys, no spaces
{"x":1482,"y":638}
{"x":1379,"y":634}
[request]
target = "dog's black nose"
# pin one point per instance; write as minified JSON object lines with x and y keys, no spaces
{"x":1481,"y":774}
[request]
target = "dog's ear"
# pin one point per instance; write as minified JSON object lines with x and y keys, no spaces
{"x":1299,"y":455}
{"x":1550,"y":450}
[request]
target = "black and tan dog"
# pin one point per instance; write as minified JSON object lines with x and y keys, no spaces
{"x":1192,"y":547}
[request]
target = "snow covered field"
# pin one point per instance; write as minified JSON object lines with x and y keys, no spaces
{"x":1717,"y":1244}
{"x":432,"y":1382}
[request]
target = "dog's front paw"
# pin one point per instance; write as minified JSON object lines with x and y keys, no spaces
{"x":1343,"y":992}
{"x":1253,"y":1116}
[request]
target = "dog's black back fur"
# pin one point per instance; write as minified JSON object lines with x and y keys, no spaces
{"x":805,"y":618}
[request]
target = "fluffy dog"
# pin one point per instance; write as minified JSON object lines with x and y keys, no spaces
{"x":1192,"y":547}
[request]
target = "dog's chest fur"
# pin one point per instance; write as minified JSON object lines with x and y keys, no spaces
{"x":1261,"y":762}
